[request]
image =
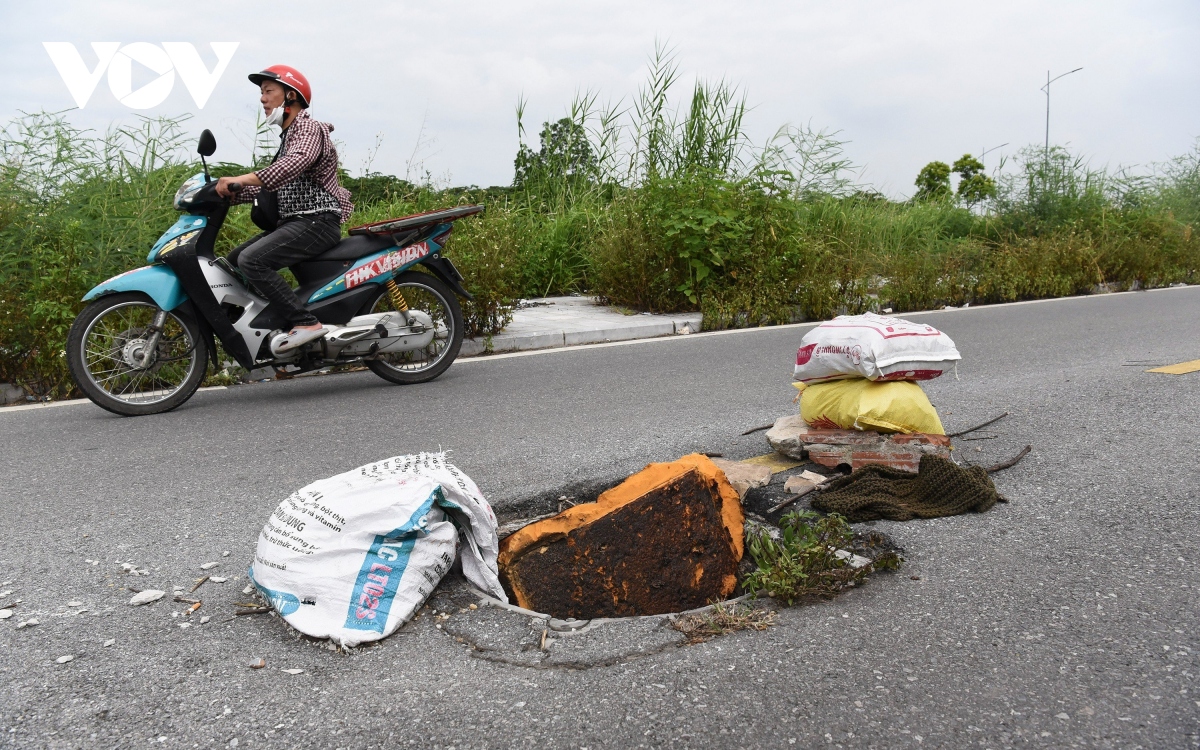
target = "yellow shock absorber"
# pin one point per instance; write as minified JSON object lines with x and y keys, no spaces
{"x":397,"y":297}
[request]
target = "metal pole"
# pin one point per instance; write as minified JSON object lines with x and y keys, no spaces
{"x":987,"y":151}
{"x":1046,"y":148}
{"x":1049,"y":80}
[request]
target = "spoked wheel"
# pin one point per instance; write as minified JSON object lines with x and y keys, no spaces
{"x":430,"y":295}
{"x":132,"y":358}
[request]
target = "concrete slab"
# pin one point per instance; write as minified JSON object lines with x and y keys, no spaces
{"x":553,"y":322}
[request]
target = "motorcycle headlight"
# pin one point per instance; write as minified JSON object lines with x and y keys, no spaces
{"x":187,"y":190}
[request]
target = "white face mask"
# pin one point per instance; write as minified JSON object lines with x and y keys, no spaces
{"x":275,"y":117}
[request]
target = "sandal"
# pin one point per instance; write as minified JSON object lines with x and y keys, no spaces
{"x":299,"y":336}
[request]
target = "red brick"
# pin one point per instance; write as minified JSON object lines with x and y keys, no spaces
{"x":853,"y":448}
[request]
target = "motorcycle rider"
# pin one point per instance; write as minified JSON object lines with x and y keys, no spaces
{"x":299,"y":203}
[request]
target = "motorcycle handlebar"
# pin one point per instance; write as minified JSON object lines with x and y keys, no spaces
{"x":235,"y":187}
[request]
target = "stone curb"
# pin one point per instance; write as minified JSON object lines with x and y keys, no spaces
{"x":11,"y":394}
{"x":553,"y":339}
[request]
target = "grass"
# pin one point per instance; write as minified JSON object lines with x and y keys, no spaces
{"x":650,"y":205}
{"x":803,"y":562}
{"x":722,"y":619}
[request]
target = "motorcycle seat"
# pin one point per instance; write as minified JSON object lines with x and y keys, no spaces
{"x":355,"y":247}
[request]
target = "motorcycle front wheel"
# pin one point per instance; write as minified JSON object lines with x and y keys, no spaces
{"x":429,"y":294}
{"x":113,"y":361}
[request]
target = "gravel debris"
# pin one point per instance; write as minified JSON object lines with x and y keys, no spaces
{"x":109,"y":642}
{"x":75,"y":603}
{"x":145,"y":597}
{"x":65,"y":659}
{"x":209,"y":565}
{"x":294,"y":671}
{"x":218,"y":579}
{"x":5,"y":614}
{"x":257,"y":664}
{"x":28,"y":623}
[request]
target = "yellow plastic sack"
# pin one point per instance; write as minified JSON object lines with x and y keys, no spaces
{"x":860,"y":404}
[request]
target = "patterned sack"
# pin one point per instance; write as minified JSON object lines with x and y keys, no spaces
{"x":353,"y":556}
{"x":874,"y":347}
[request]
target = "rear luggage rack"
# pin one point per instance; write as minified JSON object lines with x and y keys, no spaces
{"x":391,"y":226}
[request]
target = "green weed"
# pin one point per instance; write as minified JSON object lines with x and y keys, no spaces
{"x":804,"y":562}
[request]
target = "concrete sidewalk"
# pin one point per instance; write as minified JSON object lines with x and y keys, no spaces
{"x":553,"y":322}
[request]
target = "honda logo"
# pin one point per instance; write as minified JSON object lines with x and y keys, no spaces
{"x":165,"y":60}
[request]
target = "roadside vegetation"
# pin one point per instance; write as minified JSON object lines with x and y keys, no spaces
{"x":652,"y":205}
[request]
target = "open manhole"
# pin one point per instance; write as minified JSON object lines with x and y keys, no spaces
{"x":599,"y":574}
{"x":671,"y":538}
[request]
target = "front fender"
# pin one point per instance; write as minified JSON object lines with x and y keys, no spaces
{"x":444,"y":269}
{"x":158,"y":282}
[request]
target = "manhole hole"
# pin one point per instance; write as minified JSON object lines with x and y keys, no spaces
{"x":593,"y":584}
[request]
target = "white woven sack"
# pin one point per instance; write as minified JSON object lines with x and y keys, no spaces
{"x":353,"y":556}
{"x":873,"y":347}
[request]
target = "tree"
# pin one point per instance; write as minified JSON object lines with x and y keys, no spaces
{"x":933,"y":182}
{"x":975,"y":186}
{"x":566,"y":152}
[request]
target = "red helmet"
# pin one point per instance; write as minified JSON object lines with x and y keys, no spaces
{"x":289,"y":77}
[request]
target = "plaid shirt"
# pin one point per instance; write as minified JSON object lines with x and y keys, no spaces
{"x":305,"y":150}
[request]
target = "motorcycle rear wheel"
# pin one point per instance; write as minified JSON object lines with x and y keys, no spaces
{"x":428,"y":293}
{"x":105,"y":349}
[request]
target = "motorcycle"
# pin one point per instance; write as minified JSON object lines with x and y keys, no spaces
{"x":144,"y":343}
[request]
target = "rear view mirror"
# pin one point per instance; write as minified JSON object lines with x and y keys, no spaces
{"x":208,"y":144}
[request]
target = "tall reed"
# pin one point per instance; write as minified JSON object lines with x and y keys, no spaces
{"x":661,"y":204}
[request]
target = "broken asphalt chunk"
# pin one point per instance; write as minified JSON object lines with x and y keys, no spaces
{"x":744,"y":476}
{"x":798,"y":486}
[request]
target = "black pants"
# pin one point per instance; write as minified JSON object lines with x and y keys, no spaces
{"x":294,"y":240}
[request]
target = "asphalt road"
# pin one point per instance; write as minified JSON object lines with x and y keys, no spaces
{"x":1065,"y":618}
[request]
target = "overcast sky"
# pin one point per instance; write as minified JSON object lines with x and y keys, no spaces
{"x":904,"y":82}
